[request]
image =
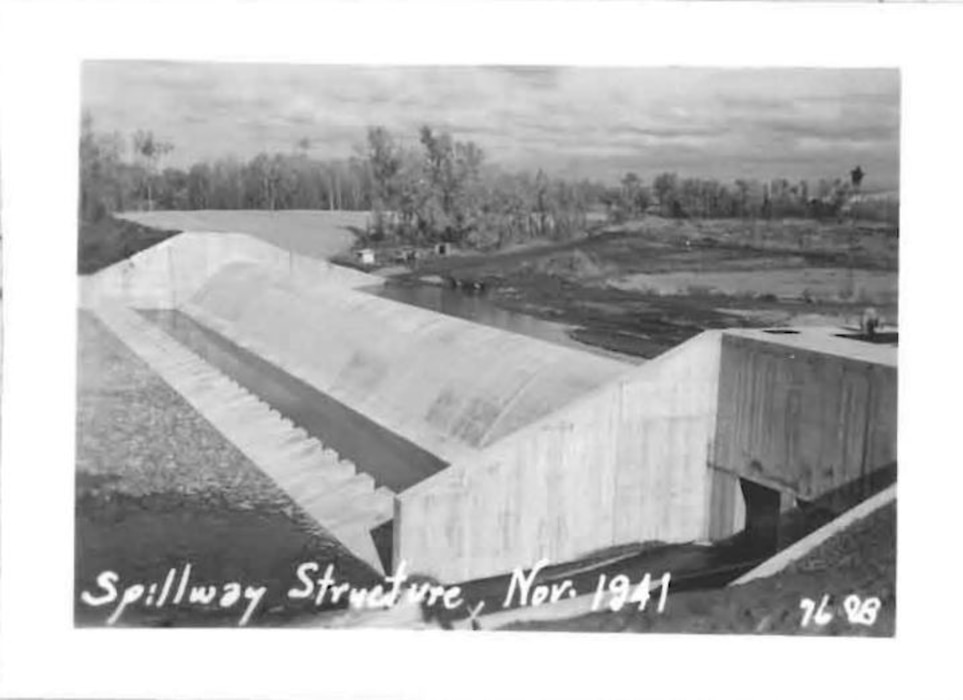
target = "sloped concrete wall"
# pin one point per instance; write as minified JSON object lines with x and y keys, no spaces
{"x":448,"y":385}
{"x":167,"y":274}
{"x":626,"y":463}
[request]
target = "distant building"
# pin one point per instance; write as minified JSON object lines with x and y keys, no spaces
{"x":366,"y":256}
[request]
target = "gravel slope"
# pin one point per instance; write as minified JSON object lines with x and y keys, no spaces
{"x":158,"y":487}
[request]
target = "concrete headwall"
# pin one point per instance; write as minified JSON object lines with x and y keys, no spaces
{"x":169,"y":273}
{"x":805,"y":414}
{"x":445,"y":384}
{"x":627,"y":463}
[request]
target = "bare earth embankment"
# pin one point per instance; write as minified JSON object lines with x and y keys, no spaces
{"x":644,"y":287}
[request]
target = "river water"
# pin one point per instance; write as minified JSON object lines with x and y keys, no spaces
{"x":476,"y":308}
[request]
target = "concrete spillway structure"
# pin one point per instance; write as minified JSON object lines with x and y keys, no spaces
{"x":445,"y":384}
{"x":546,"y":451}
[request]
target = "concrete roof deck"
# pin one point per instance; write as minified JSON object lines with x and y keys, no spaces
{"x":826,"y":340}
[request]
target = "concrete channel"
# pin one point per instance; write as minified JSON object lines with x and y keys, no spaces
{"x":388,"y":458}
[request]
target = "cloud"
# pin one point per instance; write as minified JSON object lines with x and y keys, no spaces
{"x":588,"y":122}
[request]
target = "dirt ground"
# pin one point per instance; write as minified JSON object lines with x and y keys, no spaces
{"x":647,"y":286}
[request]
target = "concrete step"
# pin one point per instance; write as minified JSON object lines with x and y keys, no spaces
{"x":295,"y":475}
{"x":321,"y":499}
{"x":298,"y":472}
{"x":300,"y":448}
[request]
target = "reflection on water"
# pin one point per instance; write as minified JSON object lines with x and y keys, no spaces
{"x":475,"y":307}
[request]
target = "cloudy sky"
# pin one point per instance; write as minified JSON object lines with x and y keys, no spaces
{"x":592,"y":122}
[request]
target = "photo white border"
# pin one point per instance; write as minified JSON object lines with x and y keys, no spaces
{"x":41,"y":655}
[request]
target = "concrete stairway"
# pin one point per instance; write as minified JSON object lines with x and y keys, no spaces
{"x":344,"y":502}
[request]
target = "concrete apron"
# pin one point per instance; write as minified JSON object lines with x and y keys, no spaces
{"x":327,"y":488}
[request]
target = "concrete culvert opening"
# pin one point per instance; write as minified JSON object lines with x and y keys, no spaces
{"x":762,"y":515}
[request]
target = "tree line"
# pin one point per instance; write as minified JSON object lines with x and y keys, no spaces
{"x":672,"y":196}
{"x":125,"y":174}
{"x":435,"y":188}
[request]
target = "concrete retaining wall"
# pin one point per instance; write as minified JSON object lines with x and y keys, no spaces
{"x":803,"y":417}
{"x":445,"y":384}
{"x":627,"y":463}
{"x":167,"y":274}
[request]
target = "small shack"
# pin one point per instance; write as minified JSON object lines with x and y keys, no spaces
{"x":366,"y":256}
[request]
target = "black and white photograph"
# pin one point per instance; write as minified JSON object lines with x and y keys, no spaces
{"x":491,"y":349}
{"x":554,"y":348}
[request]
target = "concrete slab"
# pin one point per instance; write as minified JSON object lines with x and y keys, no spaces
{"x":828,"y":340}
